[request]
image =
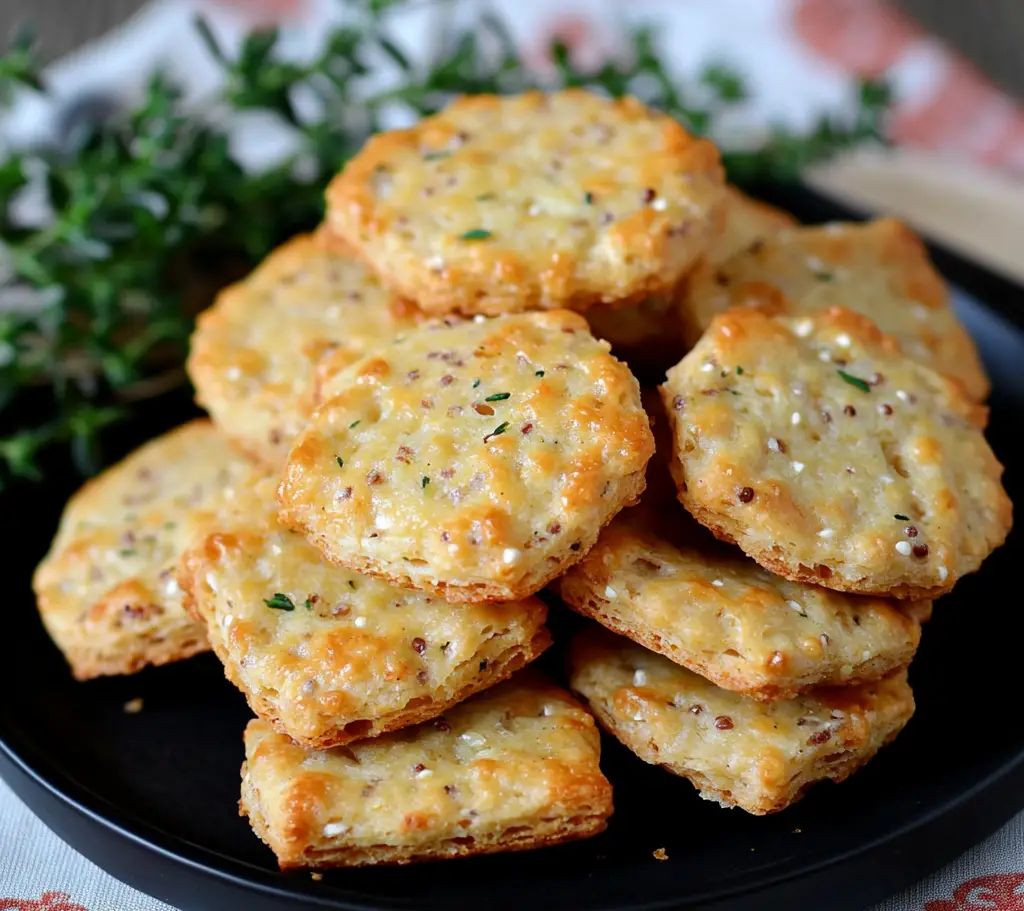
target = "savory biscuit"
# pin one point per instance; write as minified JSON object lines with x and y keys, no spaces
{"x":831,"y":458}
{"x":880,"y":269}
{"x":677,"y":591}
{"x":651,"y":335}
{"x":513,"y":768}
{"x":475,"y":459}
{"x":646,"y":336}
{"x":745,"y":222}
{"x":330,"y":656}
{"x":736,"y":751}
{"x":254,"y":351}
{"x":536,"y":201}
{"x":106,"y":590}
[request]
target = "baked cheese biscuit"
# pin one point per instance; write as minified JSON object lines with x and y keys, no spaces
{"x":831,"y":458}
{"x":106,"y":590}
{"x":330,"y":656}
{"x":646,"y":336}
{"x":650,"y":336}
{"x":745,"y":222}
{"x":254,"y":351}
{"x":474,"y":459}
{"x":511,"y":769}
{"x":678,"y":592}
{"x":536,"y":201}
{"x":880,"y":269}
{"x":736,"y":751}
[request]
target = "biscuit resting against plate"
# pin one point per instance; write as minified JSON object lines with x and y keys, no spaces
{"x":253,"y":353}
{"x":330,"y":656}
{"x":535,"y":201}
{"x":674,"y":589}
{"x":880,"y":270}
{"x":476,"y":459}
{"x":830,"y":457}
{"x":758,"y":756}
{"x":513,"y":768}
{"x":106,"y":590}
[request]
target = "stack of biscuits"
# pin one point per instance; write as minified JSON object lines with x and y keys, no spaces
{"x":417,"y":425}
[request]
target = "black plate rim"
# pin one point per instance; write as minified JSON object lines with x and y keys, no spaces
{"x":968,"y":818}
{"x":973,"y":814}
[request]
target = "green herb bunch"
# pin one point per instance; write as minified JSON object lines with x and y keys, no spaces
{"x":150,"y":214}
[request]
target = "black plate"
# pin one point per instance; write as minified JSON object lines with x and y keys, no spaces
{"x":151,"y":797}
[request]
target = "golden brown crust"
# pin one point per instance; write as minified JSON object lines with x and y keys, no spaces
{"x":645,"y":336}
{"x":880,"y":270}
{"x":477,"y":460}
{"x":511,"y":769}
{"x":329,"y":656}
{"x":502,"y":204}
{"x":106,"y":590}
{"x":745,"y":222}
{"x":668,"y":586}
{"x":736,"y":751}
{"x":831,"y":458}
{"x":254,"y":352}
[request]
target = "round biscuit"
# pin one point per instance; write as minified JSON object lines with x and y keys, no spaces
{"x":253,"y":353}
{"x":535,"y":201}
{"x":476,"y":459}
{"x":106,"y":590}
{"x":830,"y":457}
{"x":745,"y":221}
{"x":646,"y":336}
{"x":880,"y":269}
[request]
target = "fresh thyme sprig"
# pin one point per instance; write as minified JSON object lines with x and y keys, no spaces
{"x":150,"y":213}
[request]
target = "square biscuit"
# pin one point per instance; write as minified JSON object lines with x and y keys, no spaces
{"x":736,"y":751}
{"x":511,"y":769}
{"x":330,"y":656}
{"x":106,"y":590}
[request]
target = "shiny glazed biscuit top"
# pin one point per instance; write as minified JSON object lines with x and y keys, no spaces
{"x":880,"y":270}
{"x":254,"y":351}
{"x":483,"y":453}
{"x":830,"y":457}
{"x":324,"y":646}
{"x":501,"y":204}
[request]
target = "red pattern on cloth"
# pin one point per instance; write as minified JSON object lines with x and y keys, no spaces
{"x":50,"y":901}
{"x":959,"y":111}
{"x":998,"y":892}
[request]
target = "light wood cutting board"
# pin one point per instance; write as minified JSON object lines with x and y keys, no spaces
{"x":974,"y":211}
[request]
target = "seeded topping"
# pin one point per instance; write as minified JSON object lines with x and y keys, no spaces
{"x":901,"y":518}
{"x":476,"y":234}
{"x":920,"y":550}
{"x":354,"y":424}
{"x":340,"y":461}
{"x":419,"y":645}
{"x":424,"y":482}
{"x":498,"y":397}
{"x":746,"y":494}
{"x":723,"y":723}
